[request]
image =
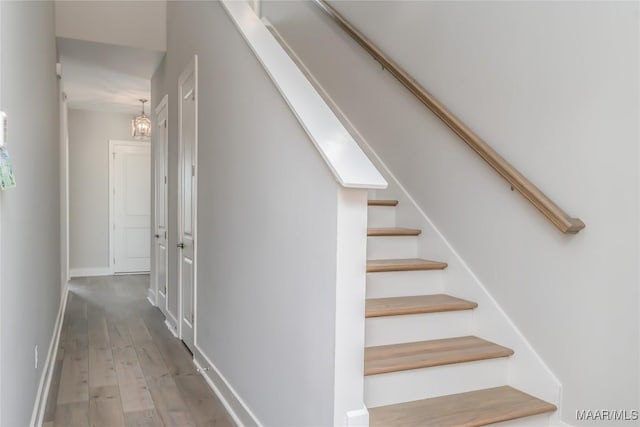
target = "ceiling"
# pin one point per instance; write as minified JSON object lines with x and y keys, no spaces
{"x":104,"y":77}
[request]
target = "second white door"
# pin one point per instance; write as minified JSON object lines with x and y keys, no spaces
{"x":161,"y":232}
{"x":187,"y":87}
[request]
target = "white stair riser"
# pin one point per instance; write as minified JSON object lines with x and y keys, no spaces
{"x":533,"y":421}
{"x":415,"y":384}
{"x":404,"y":283}
{"x":392,"y":247}
{"x":381,"y":216}
{"x":417,"y":327}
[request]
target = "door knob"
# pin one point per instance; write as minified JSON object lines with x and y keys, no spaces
{"x":157,"y":236}
{"x":180,"y":245}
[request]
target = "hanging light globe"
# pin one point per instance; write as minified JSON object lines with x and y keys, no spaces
{"x":141,"y":125}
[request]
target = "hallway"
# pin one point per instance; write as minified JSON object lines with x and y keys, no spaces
{"x":117,"y":363}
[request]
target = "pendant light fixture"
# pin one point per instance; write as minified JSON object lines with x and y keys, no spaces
{"x":141,"y":125}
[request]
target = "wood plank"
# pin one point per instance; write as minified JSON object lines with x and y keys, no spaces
{"x":110,"y":332}
{"x":74,"y":378}
{"x":395,"y":306}
{"x":471,"y":409}
{"x":169,"y":402}
{"x":154,"y":321}
{"x":105,"y":408}
{"x":151,"y":360}
{"x":76,"y":306}
{"x":76,"y":334}
{"x":97,"y":328}
{"x":148,"y":418}
{"x":102,"y":371}
{"x":176,"y":357}
{"x":393,"y":232}
{"x":119,"y":336}
{"x":206,"y":408}
{"x":138,"y":330}
{"x":72,"y":415}
{"x":382,"y":203}
{"x":425,"y":354}
{"x":411,"y":264}
{"x":133,"y":386}
{"x":52,"y":398}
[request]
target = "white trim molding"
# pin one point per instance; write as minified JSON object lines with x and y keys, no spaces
{"x":151,"y":297}
{"x":358,"y":418}
{"x":163,"y":103}
{"x":346,"y":160}
{"x":90,"y":272}
{"x":47,"y":373}
{"x":231,"y":400}
{"x":350,"y":289}
{"x":171,"y":328}
{"x":190,"y":69}
{"x":162,"y":115}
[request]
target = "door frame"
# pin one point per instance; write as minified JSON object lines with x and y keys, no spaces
{"x":64,"y":183}
{"x":163,"y":105}
{"x":112,"y":144}
{"x":190,"y":68}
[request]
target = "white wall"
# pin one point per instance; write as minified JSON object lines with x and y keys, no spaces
{"x":139,"y":24}
{"x":30,"y":222}
{"x":554,"y":88}
{"x":266,"y":222}
{"x":89,"y":135}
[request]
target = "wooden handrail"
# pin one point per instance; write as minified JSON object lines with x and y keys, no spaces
{"x":553,"y":212}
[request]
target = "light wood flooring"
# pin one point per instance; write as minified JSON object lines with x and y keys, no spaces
{"x":118,"y":365}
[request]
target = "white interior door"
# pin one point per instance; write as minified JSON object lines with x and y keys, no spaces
{"x":187,"y":197}
{"x":161,"y":193}
{"x":131,"y":202}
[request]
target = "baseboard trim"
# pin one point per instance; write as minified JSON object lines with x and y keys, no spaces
{"x":358,"y":418}
{"x":235,"y":406}
{"x":90,"y":272}
{"x":130,"y":273}
{"x":151,"y":297}
{"x":47,"y":373}
{"x":171,"y":328}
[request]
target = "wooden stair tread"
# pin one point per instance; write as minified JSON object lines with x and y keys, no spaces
{"x":393,"y":231}
{"x":382,"y":203}
{"x":377,"y":307}
{"x":425,"y":354}
{"x":411,"y":264}
{"x":470,"y":409}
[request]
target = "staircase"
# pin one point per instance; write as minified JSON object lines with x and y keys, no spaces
{"x":422,"y":367}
